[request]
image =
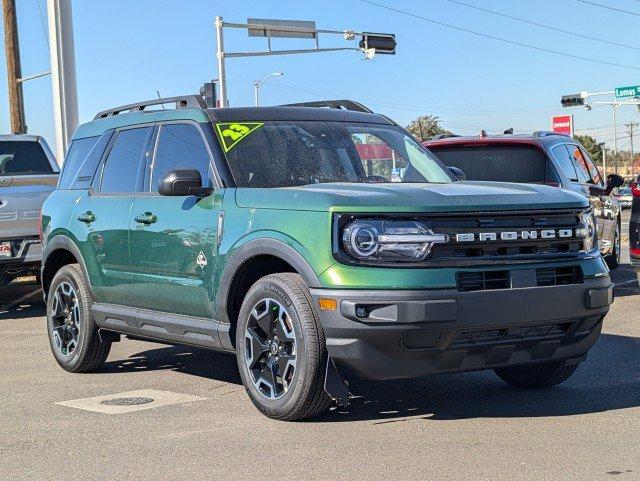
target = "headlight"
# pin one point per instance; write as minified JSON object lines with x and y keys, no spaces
{"x":587,"y":230}
{"x":389,"y":240}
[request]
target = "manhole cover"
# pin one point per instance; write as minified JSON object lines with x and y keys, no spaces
{"x":127,"y":401}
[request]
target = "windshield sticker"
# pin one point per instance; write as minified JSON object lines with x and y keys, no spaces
{"x":233,"y":132}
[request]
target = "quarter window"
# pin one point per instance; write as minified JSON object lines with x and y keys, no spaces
{"x":78,"y":151}
{"x":584,"y":177}
{"x":180,"y":146}
{"x":565,"y":161}
{"x":121,"y":169}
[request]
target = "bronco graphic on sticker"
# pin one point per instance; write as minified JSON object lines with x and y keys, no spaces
{"x":233,"y":132}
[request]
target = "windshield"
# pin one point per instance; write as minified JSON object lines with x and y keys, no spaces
{"x":508,"y":163}
{"x":23,"y":158}
{"x":293,"y":153}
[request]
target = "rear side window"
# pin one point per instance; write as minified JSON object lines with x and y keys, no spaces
{"x":76,"y":157}
{"x":584,"y":176}
{"x":180,"y":146}
{"x":596,"y":178}
{"x":23,"y":158}
{"x":508,"y":163}
{"x":565,"y":161}
{"x":122,"y":167}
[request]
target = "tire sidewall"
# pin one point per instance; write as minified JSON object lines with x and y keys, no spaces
{"x":264,"y":289}
{"x":69,"y":275}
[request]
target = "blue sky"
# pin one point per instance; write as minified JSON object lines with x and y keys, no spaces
{"x":128,"y":49}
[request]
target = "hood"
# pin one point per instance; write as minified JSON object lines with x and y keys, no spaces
{"x":457,"y":196}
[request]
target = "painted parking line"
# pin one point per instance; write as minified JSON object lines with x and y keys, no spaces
{"x":126,"y":402}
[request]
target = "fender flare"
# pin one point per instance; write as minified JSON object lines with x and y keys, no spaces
{"x":253,"y":248}
{"x":62,"y":242}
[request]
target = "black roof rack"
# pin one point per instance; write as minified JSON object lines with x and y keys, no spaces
{"x":443,"y":136}
{"x":334,"y":104}
{"x":185,"y":101}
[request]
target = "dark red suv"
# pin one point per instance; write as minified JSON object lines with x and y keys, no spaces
{"x":540,"y":158}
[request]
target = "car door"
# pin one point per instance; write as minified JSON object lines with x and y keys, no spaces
{"x":101,"y":216}
{"x":173,"y":239}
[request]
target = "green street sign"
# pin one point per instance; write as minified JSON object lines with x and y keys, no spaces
{"x":632,"y":91}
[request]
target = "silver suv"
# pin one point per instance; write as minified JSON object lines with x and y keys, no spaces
{"x":28,"y":174}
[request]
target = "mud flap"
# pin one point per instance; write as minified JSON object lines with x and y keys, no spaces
{"x":334,"y":386}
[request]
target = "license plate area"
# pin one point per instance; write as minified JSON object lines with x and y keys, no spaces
{"x":5,"y":250}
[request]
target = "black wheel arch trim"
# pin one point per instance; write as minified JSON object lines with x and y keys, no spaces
{"x":62,"y":242}
{"x":254,"y":248}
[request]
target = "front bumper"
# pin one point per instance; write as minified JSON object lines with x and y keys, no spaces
{"x":418,"y":332}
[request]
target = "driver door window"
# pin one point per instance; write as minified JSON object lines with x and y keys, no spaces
{"x":596,"y":178}
{"x":584,"y":176}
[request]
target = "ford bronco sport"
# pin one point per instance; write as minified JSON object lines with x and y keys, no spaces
{"x":310,"y":240}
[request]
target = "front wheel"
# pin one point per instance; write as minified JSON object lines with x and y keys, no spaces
{"x":537,"y":375}
{"x":613,"y":259}
{"x":280,"y":349}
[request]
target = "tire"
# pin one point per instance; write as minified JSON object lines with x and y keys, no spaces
{"x":89,"y":352}
{"x":613,"y":259}
{"x":538,"y":375}
{"x":300,"y":393}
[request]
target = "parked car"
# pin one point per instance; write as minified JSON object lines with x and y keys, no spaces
{"x":278,"y":234}
{"x":634,"y":227}
{"x":624,"y":197}
{"x":28,"y":174}
{"x":541,"y":158}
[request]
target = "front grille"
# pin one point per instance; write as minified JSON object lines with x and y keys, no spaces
{"x":558,"y":276}
{"x":475,"y":337}
{"x":479,"y":252}
{"x":483,"y":280}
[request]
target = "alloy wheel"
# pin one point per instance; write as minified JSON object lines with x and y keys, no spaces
{"x":65,"y":315}
{"x":270,"y":348}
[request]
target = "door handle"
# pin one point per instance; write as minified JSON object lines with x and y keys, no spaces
{"x":146,"y":218}
{"x":88,"y":217}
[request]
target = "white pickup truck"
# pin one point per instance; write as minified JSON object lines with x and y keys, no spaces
{"x":28,"y":174}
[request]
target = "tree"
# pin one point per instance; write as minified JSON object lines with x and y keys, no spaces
{"x":426,"y":126}
{"x":592,"y":147}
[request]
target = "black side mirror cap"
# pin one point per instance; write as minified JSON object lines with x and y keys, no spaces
{"x":457,"y":173}
{"x":183,"y":182}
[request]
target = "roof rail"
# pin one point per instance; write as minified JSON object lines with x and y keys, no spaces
{"x":334,"y":104}
{"x":544,"y":133}
{"x":184,"y":101}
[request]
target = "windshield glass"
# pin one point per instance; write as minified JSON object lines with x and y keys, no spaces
{"x":23,"y":158}
{"x":502,"y":163}
{"x":293,"y":153}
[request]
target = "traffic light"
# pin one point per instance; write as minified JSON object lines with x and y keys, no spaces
{"x":384,"y":43}
{"x":573,"y":100}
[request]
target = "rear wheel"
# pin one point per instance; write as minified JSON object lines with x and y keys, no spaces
{"x":613,"y":259}
{"x":73,"y":334}
{"x":280,"y":348}
{"x":537,"y":375}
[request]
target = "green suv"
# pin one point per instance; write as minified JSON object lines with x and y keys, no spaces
{"x":310,"y":240}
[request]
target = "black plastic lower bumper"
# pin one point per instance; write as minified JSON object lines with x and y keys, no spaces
{"x":399,"y":333}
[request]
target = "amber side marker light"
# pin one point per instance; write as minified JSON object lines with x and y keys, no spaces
{"x":328,"y":304}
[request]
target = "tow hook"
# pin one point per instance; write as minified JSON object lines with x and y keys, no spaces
{"x":335,"y":386}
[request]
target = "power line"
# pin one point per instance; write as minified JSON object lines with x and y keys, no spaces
{"x":609,"y":8}
{"x":44,"y":28}
{"x":500,"y":39}
{"x":555,"y":29}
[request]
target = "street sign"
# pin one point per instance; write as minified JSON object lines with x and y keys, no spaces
{"x":631,"y":91}
{"x":562,"y":124}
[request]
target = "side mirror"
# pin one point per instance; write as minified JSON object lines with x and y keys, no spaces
{"x":457,"y":173}
{"x":183,"y":182}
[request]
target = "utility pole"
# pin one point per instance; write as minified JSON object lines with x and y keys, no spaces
{"x":14,"y":71}
{"x":63,"y":73}
{"x":630,"y":126}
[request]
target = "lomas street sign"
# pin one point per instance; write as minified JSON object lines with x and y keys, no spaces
{"x":632,"y":91}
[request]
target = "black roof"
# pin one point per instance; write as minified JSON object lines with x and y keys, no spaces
{"x":259,"y":114}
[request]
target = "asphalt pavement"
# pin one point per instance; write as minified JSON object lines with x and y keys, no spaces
{"x":201,"y":425}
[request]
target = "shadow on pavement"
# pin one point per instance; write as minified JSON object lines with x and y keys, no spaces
{"x":19,"y":300}
{"x":608,"y":379}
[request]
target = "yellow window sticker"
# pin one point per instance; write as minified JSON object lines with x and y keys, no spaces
{"x":233,"y":132}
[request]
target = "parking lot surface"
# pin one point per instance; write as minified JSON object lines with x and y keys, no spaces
{"x":200,"y":424}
